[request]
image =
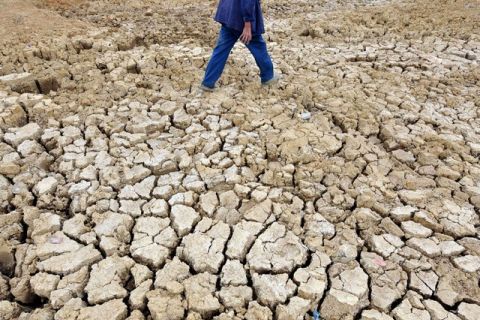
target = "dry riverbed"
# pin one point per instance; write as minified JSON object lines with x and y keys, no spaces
{"x":352,"y":187}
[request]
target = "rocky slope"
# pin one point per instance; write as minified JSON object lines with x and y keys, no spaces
{"x":352,"y":187}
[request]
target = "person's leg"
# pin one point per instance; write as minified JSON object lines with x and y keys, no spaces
{"x":258,"y":48}
{"x":225,"y":43}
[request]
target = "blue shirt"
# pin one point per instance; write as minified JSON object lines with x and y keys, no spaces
{"x":234,"y":13}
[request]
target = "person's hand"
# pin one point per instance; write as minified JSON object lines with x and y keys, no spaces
{"x":247,"y":33}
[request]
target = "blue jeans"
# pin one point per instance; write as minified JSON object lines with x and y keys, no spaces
{"x":226,"y":40}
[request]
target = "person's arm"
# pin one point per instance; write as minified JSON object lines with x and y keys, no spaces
{"x":248,"y":10}
{"x":247,"y":33}
{"x":248,"y":14}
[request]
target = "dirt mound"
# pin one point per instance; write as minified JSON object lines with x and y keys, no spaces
{"x":31,"y":20}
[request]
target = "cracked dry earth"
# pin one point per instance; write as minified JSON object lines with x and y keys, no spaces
{"x":125,"y":194}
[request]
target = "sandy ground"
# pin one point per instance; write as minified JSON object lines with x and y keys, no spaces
{"x":32,"y":19}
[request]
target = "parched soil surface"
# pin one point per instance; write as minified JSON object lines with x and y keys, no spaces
{"x":33,"y":20}
{"x":349,"y":190}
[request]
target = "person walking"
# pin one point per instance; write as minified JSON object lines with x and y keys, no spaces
{"x":240,"y":19}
